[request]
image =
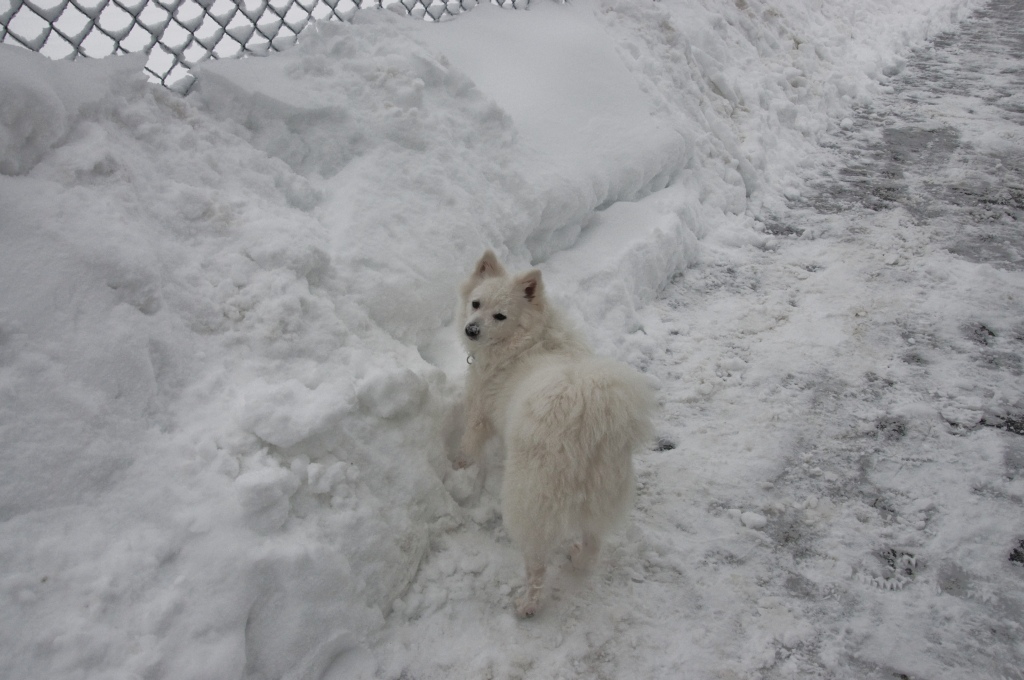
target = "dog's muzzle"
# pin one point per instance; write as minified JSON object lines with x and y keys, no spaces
{"x":473,"y":331}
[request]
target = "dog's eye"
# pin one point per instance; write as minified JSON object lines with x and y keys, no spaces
{"x":500,"y":317}
{"x":476,"y":304}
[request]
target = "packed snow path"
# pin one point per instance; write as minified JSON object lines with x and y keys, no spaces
{"x":838,"y":491}
{"x":863,"y":394}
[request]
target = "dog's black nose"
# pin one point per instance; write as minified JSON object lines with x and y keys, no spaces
{"x":473,"y":330}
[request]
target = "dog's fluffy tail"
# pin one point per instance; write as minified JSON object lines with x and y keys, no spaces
{"x":593,"y":402}
{"x":573,"y":428}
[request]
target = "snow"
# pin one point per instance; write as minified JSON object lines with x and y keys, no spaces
{"x":229,"y":384}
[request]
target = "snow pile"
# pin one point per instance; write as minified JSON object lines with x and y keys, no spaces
{"x":227,"y":388}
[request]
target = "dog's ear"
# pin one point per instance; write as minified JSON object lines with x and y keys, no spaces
{"x":531,"y":285}
{"x":488,"y":266}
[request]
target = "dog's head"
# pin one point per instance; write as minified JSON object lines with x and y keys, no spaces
{"x":496,"y":307}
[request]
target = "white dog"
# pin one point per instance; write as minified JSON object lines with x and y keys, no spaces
{"x":569,"y":420}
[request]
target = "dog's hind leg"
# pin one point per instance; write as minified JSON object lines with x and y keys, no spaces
{"x":584,"y":551}
{"x":528,"y":602}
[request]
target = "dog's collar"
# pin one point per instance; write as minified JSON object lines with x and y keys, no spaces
{"x":469,"y":359}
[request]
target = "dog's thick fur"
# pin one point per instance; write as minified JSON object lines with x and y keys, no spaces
{"x":569,"y":420}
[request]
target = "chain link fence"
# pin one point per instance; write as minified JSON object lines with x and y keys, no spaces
{"x":177,"y":34}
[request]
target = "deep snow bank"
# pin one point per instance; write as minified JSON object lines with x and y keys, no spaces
{"x":226,"y":388}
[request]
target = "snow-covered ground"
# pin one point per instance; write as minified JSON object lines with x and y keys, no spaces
{"x":229,"y":386}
